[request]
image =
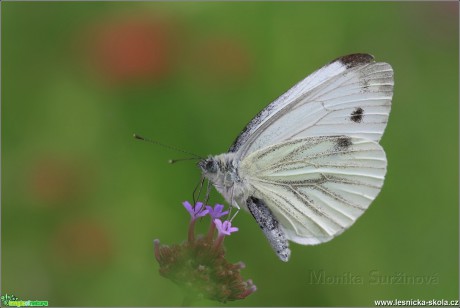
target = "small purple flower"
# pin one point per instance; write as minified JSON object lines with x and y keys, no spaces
{"x":224,"y":228}
{"x":199,"y":266}
{"x":195,"y":212}
{"x":216,"y":212}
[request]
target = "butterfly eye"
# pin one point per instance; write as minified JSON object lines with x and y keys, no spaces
{"x":208,"y":165}
{"x":211,"y":166}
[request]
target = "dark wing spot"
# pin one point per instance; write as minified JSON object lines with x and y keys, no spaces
{"x":357,"y":115}
{"x":343,"y":143}
{"x":355,"y":59}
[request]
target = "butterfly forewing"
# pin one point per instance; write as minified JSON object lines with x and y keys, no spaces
{"x":350,"y":96}
{"x":318,"y":186}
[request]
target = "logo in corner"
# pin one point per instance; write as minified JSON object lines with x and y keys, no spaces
{"x":12,"y":301}
{"x":7,"y":298}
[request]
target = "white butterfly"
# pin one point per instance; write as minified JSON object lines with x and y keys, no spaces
{"x":309,"y":164}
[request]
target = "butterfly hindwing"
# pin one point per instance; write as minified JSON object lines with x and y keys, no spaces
{"x":318,"y":186}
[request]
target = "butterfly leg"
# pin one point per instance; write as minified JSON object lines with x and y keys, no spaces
{"x":200,"y":185}
{"x":270,"y":226}
{"x":234,"y":215}
{"x":208,"y":191}
{"x":232,"y":205}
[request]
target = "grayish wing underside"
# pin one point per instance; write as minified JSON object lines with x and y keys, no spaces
{"x":318,"y":186}
{"x":270,"y":227}
{"x":349,"y":96}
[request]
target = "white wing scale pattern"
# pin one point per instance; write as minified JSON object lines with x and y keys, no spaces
{"x":322,"y":105}
{"x":318,"y":186}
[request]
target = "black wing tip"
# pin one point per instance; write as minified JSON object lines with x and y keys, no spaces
{"x":355,"y":59}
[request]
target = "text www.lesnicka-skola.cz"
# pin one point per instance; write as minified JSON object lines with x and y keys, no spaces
{"x":417,"y":302}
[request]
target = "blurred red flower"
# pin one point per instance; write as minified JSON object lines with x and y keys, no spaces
{"x":54,"y":180}
{"x":226,"y":59}
{"x":82,"y":243}
{"x":132,"y":48}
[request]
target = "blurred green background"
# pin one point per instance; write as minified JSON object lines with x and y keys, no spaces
{"x":82,"y":200}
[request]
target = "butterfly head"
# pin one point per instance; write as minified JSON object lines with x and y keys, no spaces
{"x":208,"y":165}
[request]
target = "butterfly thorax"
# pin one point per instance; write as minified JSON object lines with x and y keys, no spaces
{"x":222,"y":171}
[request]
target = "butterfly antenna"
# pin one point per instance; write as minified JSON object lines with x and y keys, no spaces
{"x":172,"y":161}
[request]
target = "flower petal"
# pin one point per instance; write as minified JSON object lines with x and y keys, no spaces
{"x":218,"y":223}
{"x":188,"y":207}
{"x":202,"y":213}
{"x":198,"y":206}
{"x":216,"y":212}
{"x":224,"y":228}
{"x":195,"y":211}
